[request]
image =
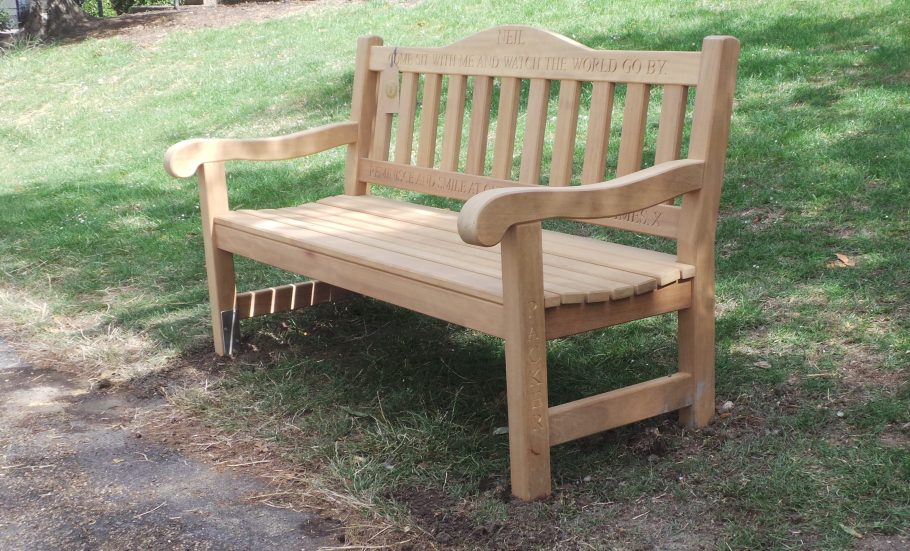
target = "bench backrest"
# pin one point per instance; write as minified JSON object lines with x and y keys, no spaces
{"x":503,"y":78}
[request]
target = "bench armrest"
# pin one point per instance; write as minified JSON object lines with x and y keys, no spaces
{"x":182,"y":159}
{"x":486,"y":216}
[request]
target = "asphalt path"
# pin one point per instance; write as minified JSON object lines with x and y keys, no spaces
{"x":74,"y":476}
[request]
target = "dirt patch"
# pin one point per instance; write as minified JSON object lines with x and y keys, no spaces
{"x":148,"y":28}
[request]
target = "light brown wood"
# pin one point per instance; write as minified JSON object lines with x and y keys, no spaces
{"x":526,"y":52}
{"x":634,"y":125}
{"x":573,"y":280}
{"x":457,"y":185}
{"x":535,"y":129}
{"x":219,"y":264}
{"x":480,"y":125}
{"x":526,"y":361}
{"x":183,"y":159}
{"x":710,"y":130}
{"x":506,"y":121}
{"x":429,"y":120}
{"x":524,"y":284}
{"x":564,"y":260}
{"x":672,"y":120}
{"x":598,"y":138}
{"x":619,"y":407}
{"x":363,"y":112}
{"x":382,"y":137}
{"x":660,"y":266}
{"x":484,"y":218}
{"x":566,"y":128}
{"x":404,"y":141}
{"x":286,"y":298}
{"x":454,"y":119}
{"x":414,"y":294}
{"x":574,"y":319}
{"x":660,"y":220}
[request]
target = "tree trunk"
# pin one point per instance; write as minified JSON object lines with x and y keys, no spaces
{"x":52,"y":18}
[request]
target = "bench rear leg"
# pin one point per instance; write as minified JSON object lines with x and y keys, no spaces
{"x":696,"y":357}
{"x":526,"y":362}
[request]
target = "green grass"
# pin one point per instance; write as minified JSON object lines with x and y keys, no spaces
{"x":398,"y":409}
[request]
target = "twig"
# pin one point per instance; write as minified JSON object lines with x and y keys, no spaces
{"x":244,"y":464}
{"x":140,"y":515}
{"x":260,"y":496}
{"x":389,"y":546}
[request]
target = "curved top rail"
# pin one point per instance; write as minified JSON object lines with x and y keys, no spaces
{"x":528,"y":52}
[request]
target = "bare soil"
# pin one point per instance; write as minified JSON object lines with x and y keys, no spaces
{"x":148,"y":28}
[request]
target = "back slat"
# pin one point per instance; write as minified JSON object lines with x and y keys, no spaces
{"x":451,"y":135}
{"x":506,"y":119}
{"x":429,"y":120}
{"x":480,"y":124}
{"x":634,"y":120}
{"x":535,"y":130}
{"x":599,"y":118}
{"x":566,"y":128}
{"x":404,"y":142}
{"x":672,"y":119}
{"x":382,"y":136}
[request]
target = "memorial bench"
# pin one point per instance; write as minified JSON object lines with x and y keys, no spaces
{"x":491,"y":267}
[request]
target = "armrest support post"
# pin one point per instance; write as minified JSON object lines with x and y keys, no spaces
{"x":219,"y":265}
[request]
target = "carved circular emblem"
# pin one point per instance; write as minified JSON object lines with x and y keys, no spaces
{"x":391,"y":90}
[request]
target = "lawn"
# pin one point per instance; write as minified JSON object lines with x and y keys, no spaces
{"x":396,"y":414}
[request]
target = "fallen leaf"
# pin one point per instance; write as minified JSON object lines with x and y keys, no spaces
{"x":850,"y":530}
{"x":845,"y":260}
{"x":762,"y":364}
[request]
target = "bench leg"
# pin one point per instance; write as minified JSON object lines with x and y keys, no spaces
{"x":696,"y":357}
{"x":219,"y":265}
{"x":526,"y":362}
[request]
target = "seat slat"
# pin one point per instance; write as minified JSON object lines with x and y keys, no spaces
{"x":598,"y":139}
{"x":660,"y":266}
{"x":506,"y":120}
{"x":480,"y":125}
{"x":418,"y":295}
{"x":429,"y":120}
{"x":441,"y":275}
{"x":632,"y":139}
{"x":560,"y":265}
{"x":454,"y":119}
{"x":570,"y":291}
{"x":535,"y":131}
{"x":566,"y":129}
{"x":601,"y":283}
{"x":404,"y":142}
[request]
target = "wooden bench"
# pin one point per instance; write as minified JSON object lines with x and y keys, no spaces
{"x":491,"y":267}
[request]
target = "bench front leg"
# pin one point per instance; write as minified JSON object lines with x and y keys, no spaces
{"x":526,"y":361}
{"x":219,"y":265}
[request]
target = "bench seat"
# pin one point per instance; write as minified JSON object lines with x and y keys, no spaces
{"x":420,"y":246}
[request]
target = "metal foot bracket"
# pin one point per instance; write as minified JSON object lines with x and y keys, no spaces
{"x":230,"y":327}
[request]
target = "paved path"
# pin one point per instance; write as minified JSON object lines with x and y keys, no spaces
{"x":71,"y":477}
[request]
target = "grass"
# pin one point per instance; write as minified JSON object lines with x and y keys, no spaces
{"x":99,"y":248}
